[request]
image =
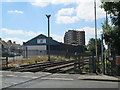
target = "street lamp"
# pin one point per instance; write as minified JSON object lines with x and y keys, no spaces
{"x":95,"y":30}
{"x":48,"y":17}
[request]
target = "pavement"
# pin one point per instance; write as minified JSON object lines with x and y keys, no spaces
{"x":48,"y":80}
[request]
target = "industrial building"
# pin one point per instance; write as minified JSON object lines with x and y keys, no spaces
{"x":39,"y":46}
{"x":74,"y":36}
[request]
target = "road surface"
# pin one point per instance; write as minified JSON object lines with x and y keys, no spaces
{"x":47,"y":80}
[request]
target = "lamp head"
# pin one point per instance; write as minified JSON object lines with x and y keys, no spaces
{"x":48,"y":16}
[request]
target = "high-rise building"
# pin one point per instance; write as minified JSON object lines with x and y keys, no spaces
{"x":73,"y":36}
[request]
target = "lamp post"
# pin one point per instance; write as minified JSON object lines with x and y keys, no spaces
{"x":95,"y":32}
{"x":107,"y":45}
{"x":48,"y":17}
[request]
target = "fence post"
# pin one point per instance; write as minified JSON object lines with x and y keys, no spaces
{"x":75,"y":62}
{"x":79,"y":66}
{"x":7,"y":61}
{"x":91,"y":65}
{"x":94,"y":64}
{"x":26,"y":52}
{"x":118,"y":65}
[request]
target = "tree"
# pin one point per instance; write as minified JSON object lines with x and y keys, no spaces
{"x":74,"y":42}
{"x":91,"y":46}
{"x":113,"y":8}
{"x":112,"y":32}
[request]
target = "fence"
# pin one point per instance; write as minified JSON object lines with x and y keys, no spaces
{"x":33,"y":53}
{"x":3,"y":62}
{"x":85,"y":63}
{"x":8,"y":60}
{"x":110,"y":66}
{"x":95,"y":66}
{"x":81,"y":60}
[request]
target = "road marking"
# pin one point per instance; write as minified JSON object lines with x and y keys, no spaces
{"x":11,"y":75}
{"x":17,"y":72}
{"x":97,"y":77}
{"x":1,"y":71}
{"x":68,"y":79}
{"x":29,"y":77}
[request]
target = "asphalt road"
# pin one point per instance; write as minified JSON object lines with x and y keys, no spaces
{"x":48,"y":80}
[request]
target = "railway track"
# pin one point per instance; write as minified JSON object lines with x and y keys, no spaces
{"x":52,"y":67}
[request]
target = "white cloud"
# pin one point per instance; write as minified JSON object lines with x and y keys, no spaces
{"x":43,"y":3}
{"x":16,"y":0}
{"x":66,"y":19}
{"x":89,"y":33}
{"x":17,"y":40}
{"x":20,"y":32}
{"x":15,"y":11}
{"x":83,"y":10}
{"x":40,"y":3}
{"x":29,"y":33}
{"x":65,"y":16}
{"x":9,"y":31}
{"x":66,"y":11}
{"x":57,"y":37}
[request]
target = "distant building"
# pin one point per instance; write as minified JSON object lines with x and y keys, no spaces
{"x":38,"y":46}
{"x":74,"y":36}
{"x":9,"y":48}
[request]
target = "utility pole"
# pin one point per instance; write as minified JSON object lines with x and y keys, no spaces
{"x":48,"y":17}
{"x":102,"y":55}
{"x":106,"y":66}
{"x":95,"y":32}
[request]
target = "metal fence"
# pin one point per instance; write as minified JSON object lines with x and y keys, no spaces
{"x":109,"y":69}
{"x":33,"y":53}
{"x":7,"y":59}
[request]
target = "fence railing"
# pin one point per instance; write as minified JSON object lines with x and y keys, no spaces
{"x":80,"y":60}
{"x":32,"y":53}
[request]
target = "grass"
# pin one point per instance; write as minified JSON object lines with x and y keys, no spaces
{"x":86,"y":66}
{"x":34,"y":60}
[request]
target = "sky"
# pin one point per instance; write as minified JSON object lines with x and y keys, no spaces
{"x":21,"y":21}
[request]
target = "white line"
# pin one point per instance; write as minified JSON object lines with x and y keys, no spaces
{"x":28,"y":77}
{"x":1,"y":71}
{"x":17,"y":72}
{"x":11,"y":75}
{"x":58,"y":78}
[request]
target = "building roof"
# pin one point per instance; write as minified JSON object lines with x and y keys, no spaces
{"x":33,"y":41}
{"x":3,"y":43}
{"x":8,"y":44}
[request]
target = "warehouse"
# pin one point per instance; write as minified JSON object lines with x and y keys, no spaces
{"x":38,"y":46}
